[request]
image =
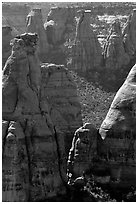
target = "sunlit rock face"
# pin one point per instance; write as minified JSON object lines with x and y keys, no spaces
{"x":118,"y":132}
{"x":34,"y":23}
{"x":60,"y":91}
{"x":34,"y":157}
{"x":129,"y":36}
{"x":87,"y":53}
{"x":115,"y":55}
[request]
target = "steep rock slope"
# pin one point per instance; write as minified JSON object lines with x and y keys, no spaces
{"x":83,"y":150}
{"x":59,"y":90}
{"x":58,"y":23}
{"x":118,"y":132}
{"x":34,"y":24}
{"x":87,"y":53}
{"x":15,"y":13}
{"x":114,"y":53}
{"x":129,"y":36}
{"x":6,"y":38}
{"x":35,"y":131}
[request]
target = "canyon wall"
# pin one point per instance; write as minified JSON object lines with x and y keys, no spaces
{"x":37,"y":124}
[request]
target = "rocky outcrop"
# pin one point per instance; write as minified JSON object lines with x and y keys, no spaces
{"x":115,"y":55}
{"x":15,"y":13}
{"x":87,"y":53}
{"x":59,"y":24}
{"x":129,"y":36}
{"x":118,"y":132}
{"x":108,"y":154}
{"x":6,"y":38}
{"x":60,"y":92}
{"x":36,"y":124}
{"x":83,"y":150}
{"x":34,"y":24}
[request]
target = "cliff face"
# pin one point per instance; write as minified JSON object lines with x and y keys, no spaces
{"x":129,"y":36}
{"x":87,"y":53}
{"x":83,"y":150}
{"x":118,"y":132}
{"x":6,"y":48}
{"x":60,"y":92}
{"x":115,"y":55}
{"x":58,"y":24}
{"x":34,"y":23}
{"x":35,"y":131}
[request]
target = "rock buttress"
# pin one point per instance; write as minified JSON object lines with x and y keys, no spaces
{"x":118,"y":131}
{"x":58,"y":24}
{"x":59,"y":90}
{"x":34,"y":23}
{"x":129,"y":36}
{"x":87,"y":54}
{"x":6,"y":38}
{"x":83,"y":150}
{"x":115,"y":55}
{"x":34,"y":165}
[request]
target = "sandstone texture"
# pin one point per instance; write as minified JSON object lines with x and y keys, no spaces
{"x":118,"y":132}
{"x":34,"y":23}
{"x":15,"y":13}
{"x":129,"y":36}
{"x":87,"y":53}
{"x":59,"y":24}
{"x":83,"y":150}
{"x":6,"y":38}
{"x":115,"y":55}
{"x":40,"y":109}
{"x":60,"y":92}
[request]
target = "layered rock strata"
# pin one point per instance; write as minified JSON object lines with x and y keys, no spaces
{"x":58,"y":24}
{"x":115,"y":55}
{"x":34,"y":23}
{"x":129,"y":36}
{"x":87,"y":54}
{"x":60,"y":92}
{"x":83,"y":150}
{"x":118,"y":131}
{"x":6,"y":38}
{"x":40,"y":108}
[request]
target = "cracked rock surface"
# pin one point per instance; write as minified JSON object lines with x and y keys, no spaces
{"x":36,"y":124}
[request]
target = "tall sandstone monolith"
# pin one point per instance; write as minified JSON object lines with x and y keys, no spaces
{"x":83,"y":150}
{"x":34,"y":24}
{"x":129,"y":36}
{"x":118,"y":133}
{"x":6,"y":38}
{"x":37,"y":118}
{"x":58,"y":24}
{"x":87,"y":54}
{"x":115,"y":56}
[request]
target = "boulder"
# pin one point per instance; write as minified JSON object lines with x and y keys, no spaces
{"x":129,"y":36}
{"x":118,"y":132}
{"x":83,"y":150}
{"x":115,"y":55}
{"x":34,"y":23}
{"x":87,"y":54}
